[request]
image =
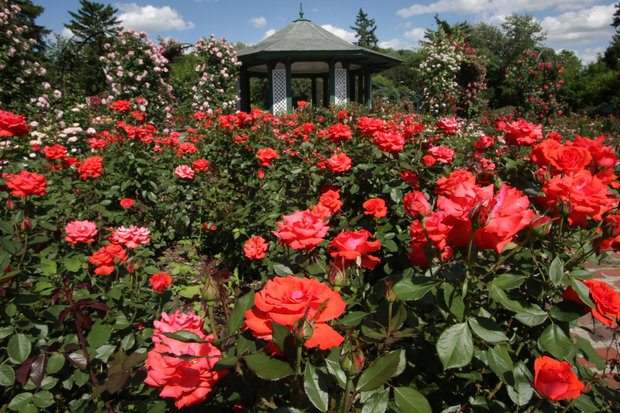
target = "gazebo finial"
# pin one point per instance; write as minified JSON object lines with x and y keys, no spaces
{"x":301,"y":11}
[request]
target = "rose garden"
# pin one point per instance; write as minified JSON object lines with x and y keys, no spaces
{"x":341,"y":259}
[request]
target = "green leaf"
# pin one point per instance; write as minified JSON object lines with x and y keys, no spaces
{"x":585,"y":404}
{"x":520,"y":389}
{"x":499,"y":361}
{"x":332,"y":361}
{"x":487,"y":329}
{"x":410,"y":400}
{"x":409,"y":289}
{"x":99,"y":335}
{"x":43,"y":399}
{"x":556,"y":270}
{"x":500,"y":296}
{"x":453,"y":301}
{"x":74,"y":263}
{"x":190,"y":291}
{"x":396,"y":194}
{"x":554,"y":341}
{"x":377,"y":403}
{"x":185,"y":336}
{"x":590,"y":353}
{"x":54,"y":363}
{"x":225,"y":363}
{"x":582,"y":291}
{"x":455,"y":346}
{"x":48,"y":267}
{"x":19,"y":402}
{"x":507,"y":282}
{"x":353,"y":319}
{"x":566,"y":311}
{"x":315,"y":387}
{"x":244,"y":303}
{"x":7,"y":375}
{"x":389,"y":245}
{"x":532,"y":316}
{"x":282,"y":270}
{"x":380,"y":371}
{"x":268,"y":368}
{"x":18,"y":348}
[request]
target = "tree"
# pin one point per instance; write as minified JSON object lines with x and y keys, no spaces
{"x":522,"y":33}
{"x":612,"y":54}
{"x":365,"y":31}
{"x":92,"y":26}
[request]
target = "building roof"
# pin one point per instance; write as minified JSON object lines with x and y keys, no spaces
{"x":304,"y":40}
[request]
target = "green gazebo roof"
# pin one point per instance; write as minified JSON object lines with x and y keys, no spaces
{"x":304,"y":40}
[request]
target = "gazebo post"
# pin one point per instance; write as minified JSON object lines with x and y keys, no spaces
{"x":332,"y":82}
{"x":360,"y":87}
{"x":368,"y":88}
{"x":244,"y":86}
{"x":270,"y":67}
{"x":313,"y":100}
{"x":351,"y":91}
{"x":289,"y":89}
{"x":325,"y":92}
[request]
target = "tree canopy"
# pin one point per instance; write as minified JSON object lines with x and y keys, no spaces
{"x":365,"y":28}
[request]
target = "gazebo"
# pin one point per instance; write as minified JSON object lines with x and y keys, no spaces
{"x":303,"y":49}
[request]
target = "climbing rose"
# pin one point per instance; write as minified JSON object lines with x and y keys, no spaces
{"x":555,"y":380}
{"x":187,"y":380}
{"x":375,"y":207}
{"x":81,"y":231}
{"x":26,"y":183}
{"x":288,"y":300}
{"x":302,"y":230}
{"x":348,"y":248}
{"x":160,"y":281}
{"x":255,"y":248}
{"x":91,"y":167}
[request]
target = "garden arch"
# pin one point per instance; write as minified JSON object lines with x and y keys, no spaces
{"x":303,"y":49}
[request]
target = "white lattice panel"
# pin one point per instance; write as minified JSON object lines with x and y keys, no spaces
{"x":278,"y":82}
{"x":341,"y":86}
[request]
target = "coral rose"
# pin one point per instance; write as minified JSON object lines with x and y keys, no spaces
{"x":555,"y":379}
{"x":339,"y":162}
{"x":391,"y":141}
{"x":287,"y":301}
{"x":348,"y":248}
{"x":126,"y":203}
{"x":445,"y":185}
{"x":331,"y":200}
{"x":611,"y":239}
{"x":522,"y":132}
{"x":416,"y":204}
{"x":339,"y":132}
{"x":442,"y":154}
{"x":579,"y":195}
{"x":449,"y":126}
{"x":81,"y":231}
{"x":131,"y":237}
{"x":160,"y":281}
{"x":26,"y":183}
{"x":255,"y":248}
{"x":91,"y":167}
{"x":105,"y":258}
{"x":12,"y":124}
{"x":55,"y":152}
{"x":605,"y":298}
{"x":375,"y":207}
{"x":184,"y":172}
{"x":201,"y":165}
{"x":302,"y":230}
{"x":184,"y":371}
{"x":266,"y":156}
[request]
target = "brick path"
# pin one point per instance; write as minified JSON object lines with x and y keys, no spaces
{"x":599,"y":335}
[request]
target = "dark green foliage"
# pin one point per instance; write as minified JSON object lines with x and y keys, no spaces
{"x":365,"y":31}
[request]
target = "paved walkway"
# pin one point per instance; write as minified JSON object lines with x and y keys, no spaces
{"x":599,"y":335}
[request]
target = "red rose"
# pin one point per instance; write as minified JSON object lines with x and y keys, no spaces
{"x":339,"y":133}
{"x":255,"y":248}
{"x":410,"y":178}
{"x":266,"y":156}
{"x":80,"y":231}
{"x":339,"y":162}
{"x":484,"y":142}
{"x":604,"y":156}
{"x":160,"y":281}
{"x":288,"y":300}
{"x":445,"y":185}
{"x":605,"y":298}
{"x":187,"y":380}
{"x":449,"y":126}
{"x":126,"y":203}
{"x":91,"y":167}
{"x":331,"y":200}
{"x":201,"y":165}
{"x":375,"y":207}
{"x":105,"y":258}
{"x":611,"y":239}
{"x":369,"y":126}
{"x":429,"y":160}
{"x":12,"y":124}
{"x":55,"y":152}
{"x":120,"y":106}
{"x":555,"y":380}
{"x":580,"y":196}
{"x":522,"y":133}
{"x":348,"y":248}
{"x":391,"y":141}
{"x":504,"y":216}
{"x":443,"y":154}
{"x":302,"y":230}
{"x":416,"y":204}
{"x":26,"y":183}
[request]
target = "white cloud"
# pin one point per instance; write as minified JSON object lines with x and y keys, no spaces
{"x":589,"y":55}
{"x":66,"y":33}
{"x":580,"y":27}
{"x":342,"y":33}
{"x":410,"y":39}
{"x":268,"y":33}
{"x":491,"y":6}
{"x":152,"y":19}
{"x":258,"y":22}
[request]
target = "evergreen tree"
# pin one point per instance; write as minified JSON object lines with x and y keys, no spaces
{"x":365,"y":31}
{"x":92,"y":26}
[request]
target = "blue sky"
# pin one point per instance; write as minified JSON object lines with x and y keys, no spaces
{"x":579,"y":25}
